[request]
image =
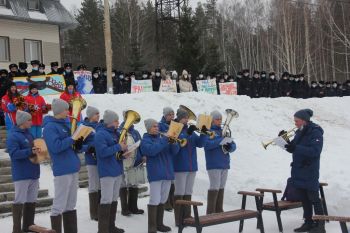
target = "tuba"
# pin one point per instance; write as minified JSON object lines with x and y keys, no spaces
{"x":77,"y":104}
{"x":131,"y":117}
{"x":226,"y":131}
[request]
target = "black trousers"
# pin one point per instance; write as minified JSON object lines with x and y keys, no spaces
{"x":310,"y":199}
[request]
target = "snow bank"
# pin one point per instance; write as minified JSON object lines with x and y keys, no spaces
{"x":251,"y":166}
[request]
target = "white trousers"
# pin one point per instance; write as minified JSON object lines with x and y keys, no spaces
{"x":66,"y":190}
{"x":94,"y":180}
{"x":159,"y":192}
{"x":26,"y":191}
{"x":217,"y":178}
{"x":184,"y":182}
{"x":110,"y":187}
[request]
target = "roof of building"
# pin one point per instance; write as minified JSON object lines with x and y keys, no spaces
{"x":50,"y":12}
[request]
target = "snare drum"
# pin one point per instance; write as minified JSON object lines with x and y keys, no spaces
{"x":136,"y":175}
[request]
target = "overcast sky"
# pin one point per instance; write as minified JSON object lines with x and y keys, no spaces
{"x":74,"y":4}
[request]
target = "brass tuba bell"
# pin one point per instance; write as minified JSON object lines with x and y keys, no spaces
{"x":131,"y":117}
{"x":77,"y":104}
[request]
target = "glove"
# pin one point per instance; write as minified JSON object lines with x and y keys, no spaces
{"x":191,"y":129}
{"x":204,"y":129}
{"x":290,"y":147}
{"x":227,"y":147}
{"x":91,"y":150}
{"x":78,"y":144}
{"x":282,"y":132}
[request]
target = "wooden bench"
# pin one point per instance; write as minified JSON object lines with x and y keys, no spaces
{"x":219,"y":218}
{"x":342,"y":221}
{"x":40,"y":229}
{"x":279,"y":206}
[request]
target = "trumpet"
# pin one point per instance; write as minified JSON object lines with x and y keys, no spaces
{"x":286,"y":136}
{"x":182,"y":142}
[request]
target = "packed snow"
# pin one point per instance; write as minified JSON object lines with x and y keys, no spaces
{"x":251,"y":166}
{"x":5,"y":11}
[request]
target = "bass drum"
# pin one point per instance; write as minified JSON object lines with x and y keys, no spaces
{"x":136,"y":175}
{"x":129,"y":162}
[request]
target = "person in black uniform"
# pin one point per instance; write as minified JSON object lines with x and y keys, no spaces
{"x":35,"y":68}
{"x":264,"y":88}
{"x":22,"y":71}
{"x":97,"y":80}
{"x":322,"y":89}
{"x":304,"y":86}
{"x":346,"y":88}
{"x":42,"y":69}
{"x":256,"y":85}
{"x":285,"y":86}
{"x":13,"y":71}
{"x":118,"y":82}
{"x":245,"y":83}
{"x":54,"y":68}
{"x":314,"y":90}
{"x":68,"y":73}
{"x":273,"y":90}
{"x":157,"y":79}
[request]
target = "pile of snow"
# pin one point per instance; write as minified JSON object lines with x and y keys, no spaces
{"x":5,"y":11}
{"x":251,"y":166}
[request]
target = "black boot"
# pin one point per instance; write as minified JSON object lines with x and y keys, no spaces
{"x":169,"y":205}
{"x":220,"y":201}
{"x":93,"y":203}
{"x":307,"y":226}
{"x":104,"y":211}
{"x":28,"y":216}
{"x":56,"y":223}
{"x":187,"y":207}
{"x":152,"y":218}
{"x":70,"y":221}
{"x":17,"y":217}
{"x":160,"y":215}
{"x":113,"y":213}
{"x":211,"y":201}
{"x":132,"y":202}
{"x":318,"y":227}
{"x":123,"y":194}
{"x":177,"y":209}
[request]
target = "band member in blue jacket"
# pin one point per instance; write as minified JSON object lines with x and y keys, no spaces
{"x":185,"y":163}
{"x":218,"y":164}
{"x":25,"y":174}
{"x":65,"y":167}
{"x":92,"y":120}
{"x":160,"y":155}
{"x":110,"y":170}
{"x":306,"y":148}
{"x":168,"y":116}
{"x":129,"y":193}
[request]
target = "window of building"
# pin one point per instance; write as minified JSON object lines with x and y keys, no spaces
{"x":32,"y":50}
{"x":2,"y":2}
{"x":33,"y":5}
{"x":4,"y":49}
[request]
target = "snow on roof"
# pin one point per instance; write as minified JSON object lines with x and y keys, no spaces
{"x":37,"y":15}
{"x":51,"y":11}
{"x":5,"y":11}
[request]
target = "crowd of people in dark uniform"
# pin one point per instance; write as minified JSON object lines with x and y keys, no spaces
{"x":259,"y":84}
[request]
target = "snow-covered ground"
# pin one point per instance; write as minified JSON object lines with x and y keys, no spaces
{"x":251,"y":165}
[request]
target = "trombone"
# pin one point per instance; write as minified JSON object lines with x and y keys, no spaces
{"x":182,"y":142}
{"x":286,"y":136}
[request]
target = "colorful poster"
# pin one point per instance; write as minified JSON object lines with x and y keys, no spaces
{"x":168,"y":86}
{"x":84,"y":82}
{"x":207,"y":86}
{"x":228,"y":88}
{"x":140,"y":86}
{"x":47,"y":84}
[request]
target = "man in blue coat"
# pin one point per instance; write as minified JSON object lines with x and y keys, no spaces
{"x":306,"y":148}
{"x":110,"y":171}
{"x":25,"y":174}
{"x":218,"y":164}
{"x":185,"y":163}
{"x":160,"y":171}
{"x":65,"y":166}
{"x":168,"y":116}
{"x":92,"y":120}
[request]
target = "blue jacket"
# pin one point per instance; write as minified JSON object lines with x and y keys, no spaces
{"x":137,"y":137}
{"x":89,"y":142}
{"x":306,"y":157}
{"x":214,"y":156}
{"x":106,"y":145}
{"x":159,"y":155}
{"x":59,"y":143}
{"x":186,"y":159}
{"x":163,"y":125}
{"x":19,"y":145}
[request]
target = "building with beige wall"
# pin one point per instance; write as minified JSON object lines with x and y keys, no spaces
{"x":30,"y":30}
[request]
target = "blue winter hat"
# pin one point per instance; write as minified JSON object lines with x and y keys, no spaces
{"x":304,"y":114}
